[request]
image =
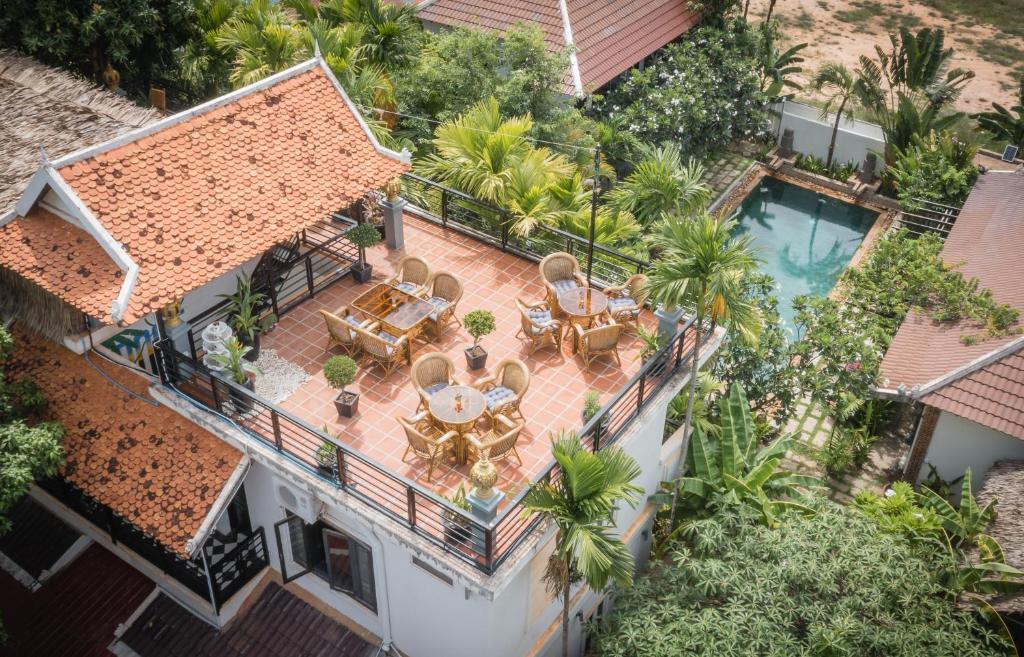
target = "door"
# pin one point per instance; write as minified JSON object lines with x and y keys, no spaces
{"x":292,"y":548}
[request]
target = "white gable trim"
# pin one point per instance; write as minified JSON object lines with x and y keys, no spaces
{"x":46,"y":177}
{"x":970,"y":367}
{"x":404,"y":157}
{"x":574,"y":63}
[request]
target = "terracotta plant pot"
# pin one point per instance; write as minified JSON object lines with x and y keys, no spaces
{"x":476,"y":357}
{"x":347,"y":403}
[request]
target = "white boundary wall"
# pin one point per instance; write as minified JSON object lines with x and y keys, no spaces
{"x":812,"y":134}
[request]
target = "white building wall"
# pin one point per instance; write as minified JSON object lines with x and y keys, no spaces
{"x":958,"y":444}
{"x":812,"y":134}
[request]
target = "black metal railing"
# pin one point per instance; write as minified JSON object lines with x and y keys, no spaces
{"x":485,"y":546}
{"x":190,"y":573}
{"x":328,"y":258}
{"x":491,"y":224}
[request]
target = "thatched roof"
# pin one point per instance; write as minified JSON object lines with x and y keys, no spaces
{"x":43,"y":106}
{"x":1005,"y":482}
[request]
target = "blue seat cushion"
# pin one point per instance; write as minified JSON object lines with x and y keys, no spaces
{"x":565,"y":285}
{"x":405,"y":286}
{"x":498,"y":396}
{"x":387,"y":336}
{"x":436,"y":388}
{"x":616,"y":304}
{"x":539,"y":316}
{"x":353,"y":320}
{"x":439,"y":304}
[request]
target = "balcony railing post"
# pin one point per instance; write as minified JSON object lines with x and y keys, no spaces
{"x":339,"y":457}
{"x":640,"y":392}
{"x":309,"y":276}
{"x":504,"y":232}
{"x":191,"y":345}
{"x":410,"y":501}
{"x":679,"y":345}
{"x":275,"y":422}
{"x":489,"y":548}
{"x":272,"y":293}
{"x":444,"y":206}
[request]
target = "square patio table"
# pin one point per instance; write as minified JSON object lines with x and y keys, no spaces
{"x":398,"y":312}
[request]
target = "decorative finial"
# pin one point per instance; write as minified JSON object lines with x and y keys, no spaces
{"x":43,"y":157}
{"x":316,"y":48}
{"x":483,"y":476}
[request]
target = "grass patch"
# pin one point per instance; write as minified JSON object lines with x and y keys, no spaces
{"x":862,"y":14}
{"x":1000,"y":51}
{"x":804,"y":21}
{"x":996,"y":13}
{"x":893,"y":22}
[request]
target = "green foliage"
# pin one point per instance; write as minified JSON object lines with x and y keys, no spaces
{"x":363,"y":236}
{"x":1006,"y":124}
{"x":828,"y":584}
{"x":30,"y":448}
{"x":701,"y":93}
{"x":837,"y":171}
{"x":460,"y":68}
{"x":234,"y":361}
{"x":709,"y":389}
{"x":139,"y":38}
{"x":479,"y":323}
{"x":846,"y":450}
{"x":591,"y":404}
{"x":763,"y":367}
{"x":244,"y":309}
{"x":661,"y":183}
{"x":900,"y":512}
{"x":937,"y":168}
{"x":776,"y":67}
{"x":730,"y":470}
{"x":339,"y":371}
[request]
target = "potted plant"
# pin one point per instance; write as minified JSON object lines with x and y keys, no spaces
{"x":591,"y":405}
{"x":651,"y":343}
{"x":234,"y":362}
{"x":244,"y":315}
{"x":478,"y":323}
{"x":326,"y":456}
{"x":363,"y":236}
{"x":339,"y":372}
{"x":457,"y":530}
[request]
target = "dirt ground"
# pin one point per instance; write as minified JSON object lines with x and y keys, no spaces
{"x":843,"y":30}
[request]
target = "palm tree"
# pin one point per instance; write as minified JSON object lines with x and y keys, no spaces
{"x":776,"y":67}
{"x":582,"y":502}
{"x":202,"y":63}
{"x":702,"y":266}
{"x":262,"y":39}
{"x":1003,"y":123}
{"x":661,"y":184}
{"x":844,"y":88}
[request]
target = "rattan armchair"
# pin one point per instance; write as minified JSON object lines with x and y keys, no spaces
{"x":426,"y":441}
{"x":627,"y":300}
{"x":505,"y":388}
{"x":384,"y":349}
{"x":560,"y":272}
{"x":432,"y":373}
{"x":500,"y":442}
{"x":445,"y":292}
{"x":538,"y":325}
{"x":341,"y":325}
{"x":598,"y":341}
{"x":412,"y":275}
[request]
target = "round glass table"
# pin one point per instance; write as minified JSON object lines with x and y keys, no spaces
{"x":582,"y":305}
{"x":458,"y":408}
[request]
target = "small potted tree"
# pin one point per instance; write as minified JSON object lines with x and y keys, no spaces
{"x":478,"y":323}
{"x":327,"y":457}
{"x":339,"y":372}
{"x":363,"y":236}
{"x":244,"y":315}
{"x":233,"y":362}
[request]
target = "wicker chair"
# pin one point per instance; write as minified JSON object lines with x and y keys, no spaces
{"x":598,"y":341}
{"x":538,"y":325}
{"x":412,"y":275}
{"x":386,"y":350}
{"x":505,"y":388}
{"x":627,"y":300}
{"x":432,"y":373}
{"x":426,"y":441}
{"x":560,"y":273}
{"x":500,"y":442}
{"x":445,"y":292}
{"x":341,"y":325}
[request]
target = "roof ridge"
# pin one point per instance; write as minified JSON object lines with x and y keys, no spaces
{"x":971,"y":367}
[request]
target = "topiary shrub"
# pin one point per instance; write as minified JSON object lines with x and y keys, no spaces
{"x":340,"y":371}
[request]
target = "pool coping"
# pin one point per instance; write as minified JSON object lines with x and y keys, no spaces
{"x":887,"y":209}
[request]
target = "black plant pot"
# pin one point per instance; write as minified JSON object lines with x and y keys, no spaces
{"x":476,"y":357}
{"x":380,"y":231}
{"x":254,"y":352}
{"x":241,"y":401}
{"x":362,"y":274}
{"x":461,"y":534}
{"x":347,"y":403}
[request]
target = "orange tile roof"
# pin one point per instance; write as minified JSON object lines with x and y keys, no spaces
{"x":202,"y":195}
{"x":63,"y":259}
{"x":149,"y":464}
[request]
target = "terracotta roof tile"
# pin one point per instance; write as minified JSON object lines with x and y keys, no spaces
{"x":610,"y":37}
{"x":987,"y":243}
{"x":264,"y":167}
{"x":148,"y":464}
{"x":63,"y":259}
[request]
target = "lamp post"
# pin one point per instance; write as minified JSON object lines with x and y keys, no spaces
{"x":595,"y":182}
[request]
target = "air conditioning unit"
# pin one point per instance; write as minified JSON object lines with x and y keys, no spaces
{"x":299,"y":502}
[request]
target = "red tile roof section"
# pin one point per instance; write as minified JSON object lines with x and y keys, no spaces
{"x":149,"y":464}
{"x":610,"y":35}
{"x":259,"y":168}
{"x":63,"y":259}
{"x":987,"y":242}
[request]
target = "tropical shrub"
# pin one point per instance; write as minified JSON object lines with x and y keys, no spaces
{"x":661,"y":183}
{"x":702,"y":92}
{"x":837,"y":171}
{"x":938,"y":168}
{"x":828,"y":584}
{"x":1002,"y":123}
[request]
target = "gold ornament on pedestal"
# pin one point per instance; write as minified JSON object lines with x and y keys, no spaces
{"x":483,"y":476}
{"x":393,"y":188}
{"x":171,"y":314}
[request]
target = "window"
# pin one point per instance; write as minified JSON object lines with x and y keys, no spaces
{"x":345,"y":563}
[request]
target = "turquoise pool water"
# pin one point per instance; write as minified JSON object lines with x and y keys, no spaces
{"x":805,"y":239}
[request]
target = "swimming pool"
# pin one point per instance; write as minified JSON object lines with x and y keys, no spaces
{"x":805,"y":239}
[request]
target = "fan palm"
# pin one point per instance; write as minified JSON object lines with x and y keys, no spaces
{"x":263,"y":40}
{"x":843,"y":89}
{"x":202,"y":63}
{"x":1005,"y":123}
{"x":581,"y":501}
{"x":661,"y":183}
{"x":703,"y":266}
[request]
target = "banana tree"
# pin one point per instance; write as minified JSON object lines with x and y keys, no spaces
{"x":732,"y":469}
